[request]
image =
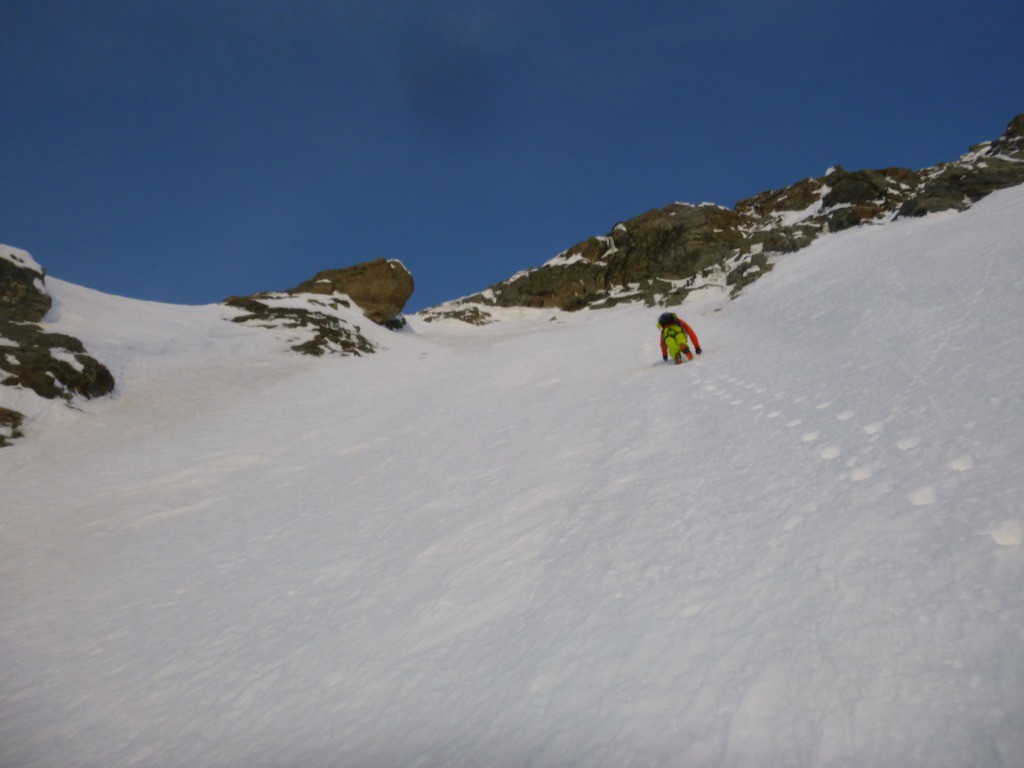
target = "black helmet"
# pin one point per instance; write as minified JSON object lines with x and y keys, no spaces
{"x":666,"y":318}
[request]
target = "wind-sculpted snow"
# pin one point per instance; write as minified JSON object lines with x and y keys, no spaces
{"x":531,"y":542}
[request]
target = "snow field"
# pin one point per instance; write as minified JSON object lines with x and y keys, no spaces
{"x":533,"y":543}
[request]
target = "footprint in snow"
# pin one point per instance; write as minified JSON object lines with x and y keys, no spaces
{"x":964,"y":463}
{"x":922,"y":497}
{"x":861,"y":473}
{"x":1009,"y":533}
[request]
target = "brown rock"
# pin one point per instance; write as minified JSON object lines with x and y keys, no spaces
{"x":381,"y":288}
{"x":22,"y":296}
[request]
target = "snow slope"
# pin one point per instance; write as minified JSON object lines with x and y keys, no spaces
{"x":532,"y":543}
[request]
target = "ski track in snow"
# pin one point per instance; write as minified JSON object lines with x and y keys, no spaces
{"x":526,"y":544}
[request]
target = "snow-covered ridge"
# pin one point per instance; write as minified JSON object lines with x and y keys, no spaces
{"x":19,"y":258}
{"x":648,"y":259}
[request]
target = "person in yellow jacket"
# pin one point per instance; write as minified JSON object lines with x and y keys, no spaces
{"x":676,"y":336}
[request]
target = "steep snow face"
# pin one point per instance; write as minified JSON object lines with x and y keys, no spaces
{"x":533,"y":543}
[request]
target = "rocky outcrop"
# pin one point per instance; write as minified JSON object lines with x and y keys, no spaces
{"x":990,"y":166}
{"x":659,"y":257}
{"x":312,"y":325}
{"x":52,"y":365}
{"x":10,"y":426}
{"x":380,"y":288}
{"x":23,"y":297}
{"x":470,"y":314}
{"x":319,"y":316}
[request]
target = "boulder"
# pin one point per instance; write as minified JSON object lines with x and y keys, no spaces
{"x":380,"y":288}
{"x":317,"y":317}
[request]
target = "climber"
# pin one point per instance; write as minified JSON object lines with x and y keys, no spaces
{"x":676,"y":336}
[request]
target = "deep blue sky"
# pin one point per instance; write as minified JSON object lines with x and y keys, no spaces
{"x":187,"y":150}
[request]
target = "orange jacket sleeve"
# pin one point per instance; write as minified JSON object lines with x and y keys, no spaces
{"x":690,"y":333}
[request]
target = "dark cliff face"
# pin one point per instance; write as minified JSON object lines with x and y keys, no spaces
{"x":23,"y":298}
{"x":658,"y":257}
